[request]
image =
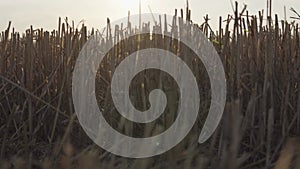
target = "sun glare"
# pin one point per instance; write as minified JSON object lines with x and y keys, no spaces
{"x":131,"y":4}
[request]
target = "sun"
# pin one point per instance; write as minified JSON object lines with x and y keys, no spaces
{"x":130,"y":4}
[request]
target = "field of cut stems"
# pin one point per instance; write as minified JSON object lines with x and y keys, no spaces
{"x":260,"y":127}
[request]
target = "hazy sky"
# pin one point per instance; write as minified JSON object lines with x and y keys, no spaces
{"x":45,"y":13}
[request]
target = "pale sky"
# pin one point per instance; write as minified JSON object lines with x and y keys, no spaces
{"x":45,"y":13}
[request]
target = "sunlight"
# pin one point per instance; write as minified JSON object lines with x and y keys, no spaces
{"x":131,"y":4}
